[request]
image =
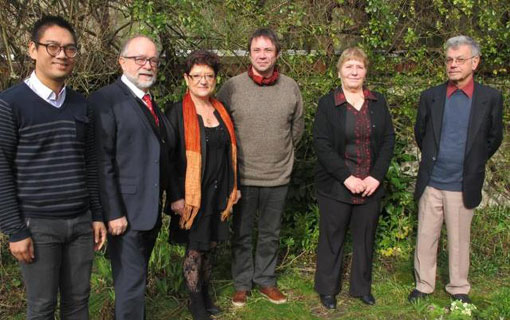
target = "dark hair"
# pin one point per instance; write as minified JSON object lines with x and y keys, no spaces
{"x":49,"y":21}
{"x":266,"y":33}
{"x":202,"y":57}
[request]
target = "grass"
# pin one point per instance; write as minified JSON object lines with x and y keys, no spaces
{"x":391,"y":286}
{"x":393,"y":280}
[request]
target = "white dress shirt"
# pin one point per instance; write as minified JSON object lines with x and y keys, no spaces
{"x":137,"y":91}
{"x":44,"y":92}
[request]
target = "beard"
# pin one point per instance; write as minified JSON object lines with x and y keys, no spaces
{"x":141,"y":84}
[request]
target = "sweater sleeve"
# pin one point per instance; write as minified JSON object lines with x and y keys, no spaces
{"x":298,"y":123}
{"x":225,"y":94}
{"x":91,"y":167}
{"x":11,"y":222}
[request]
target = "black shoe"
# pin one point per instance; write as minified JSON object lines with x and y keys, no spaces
{"x":329,"y":302}
{"x":464,"y":298}
{"x":367,"y":299}
{"x":415,"y":295}
{"x":211,"y":308}
{"x":196,"y":306}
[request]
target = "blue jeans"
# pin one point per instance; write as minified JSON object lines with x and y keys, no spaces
{"x":64,"y":251}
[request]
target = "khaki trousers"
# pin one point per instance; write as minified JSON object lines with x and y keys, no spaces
{"x":435,"y":206}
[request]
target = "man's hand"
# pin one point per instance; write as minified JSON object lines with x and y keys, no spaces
{"x":177,"y":206}
{"x":238,"y":196}
{"x":99,"y":234}
{"x":23,"y":250}
{"x":355,"y":185}
{"x":117,"y":226}
{"x":371,"y":185}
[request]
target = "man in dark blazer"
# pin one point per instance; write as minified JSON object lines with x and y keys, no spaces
{"x":458,"y":128}
{"x":132,"y":140}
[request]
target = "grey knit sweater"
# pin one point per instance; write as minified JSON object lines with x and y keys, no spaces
{"x":269,"y":123}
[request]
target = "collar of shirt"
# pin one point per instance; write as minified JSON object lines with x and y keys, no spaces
{"x":139,"y":93}
{"x":468,"y":89}
{"x":44,"y":92}
{"x":340,"y":96}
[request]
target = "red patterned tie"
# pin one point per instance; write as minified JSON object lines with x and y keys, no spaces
{"x":147,"y":99}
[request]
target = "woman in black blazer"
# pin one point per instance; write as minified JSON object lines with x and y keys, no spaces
{"x":353,"y":139}
{"x":205,"y":186}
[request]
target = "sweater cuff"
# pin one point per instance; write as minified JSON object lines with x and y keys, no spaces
{"x":20,"y":235}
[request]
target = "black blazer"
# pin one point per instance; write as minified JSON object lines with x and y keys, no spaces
{"x":133,"y":156}
{"x":175,"y":116}
{"x":329,"y":144}
{"x":485,"y":133}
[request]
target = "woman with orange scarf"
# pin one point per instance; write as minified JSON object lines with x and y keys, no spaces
{"x":206,"y":189}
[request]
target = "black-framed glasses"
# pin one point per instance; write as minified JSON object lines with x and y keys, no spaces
{"x":54,"y":49}
{"x":197,"y":77}
{"x":141,"y":61}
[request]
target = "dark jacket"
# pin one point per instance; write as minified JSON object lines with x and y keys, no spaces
{"x":175,"y":117}
{"x":485,"y":133}
{"x":132,"y":154}
{"x":329,"y":144}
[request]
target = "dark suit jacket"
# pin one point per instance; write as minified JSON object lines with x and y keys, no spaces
{"x":133,"y":156}
{"x":329,"y":144}
{"x":485,"y":132}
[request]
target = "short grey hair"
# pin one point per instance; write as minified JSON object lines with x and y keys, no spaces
{"x":125,"y":45}
{"x":455,"y":42}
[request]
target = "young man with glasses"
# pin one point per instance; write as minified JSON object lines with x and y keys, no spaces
{"x":49,"y":202}
{"x":132,"y":137}
{"x":459,"y":126}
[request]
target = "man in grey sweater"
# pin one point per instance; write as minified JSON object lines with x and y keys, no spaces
{"x":267,"y":110}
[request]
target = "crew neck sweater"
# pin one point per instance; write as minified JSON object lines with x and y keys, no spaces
{"x":268,"y":123}
{"x":48,"y":165}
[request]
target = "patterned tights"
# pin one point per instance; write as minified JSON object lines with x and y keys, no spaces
{"x":197,"y":269}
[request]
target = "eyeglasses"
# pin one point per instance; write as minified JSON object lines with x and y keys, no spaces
{"x":459,"y":61}
{"x":197,"y":77}
{"x":54,"y":49}
{"x":141,"y":61}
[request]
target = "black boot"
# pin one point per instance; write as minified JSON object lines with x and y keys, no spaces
{"x":209,"y":303}
{"x":197,"y":307}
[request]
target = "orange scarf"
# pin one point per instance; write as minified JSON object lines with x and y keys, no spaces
{"x":192,"y":182}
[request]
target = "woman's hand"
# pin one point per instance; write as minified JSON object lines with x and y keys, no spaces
{"x":355,"y":185}
{"x":371,"y":185}
{"x":238,"y":196}
{"x":177,"y":206}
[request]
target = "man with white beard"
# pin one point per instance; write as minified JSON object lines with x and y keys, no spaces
{"x":132,"y":137}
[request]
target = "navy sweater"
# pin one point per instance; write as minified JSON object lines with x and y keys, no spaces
{"x":48,"y":165}
{"x":448,"y":169}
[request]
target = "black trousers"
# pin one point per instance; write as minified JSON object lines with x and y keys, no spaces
{"x":335,"y":218}
{"x":130,"y":254}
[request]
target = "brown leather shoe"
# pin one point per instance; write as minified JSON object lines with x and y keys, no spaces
{"x":273,"y":294}
{"x":239,"y":298}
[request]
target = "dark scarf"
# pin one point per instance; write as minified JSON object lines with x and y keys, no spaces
{"x":261,"y":81}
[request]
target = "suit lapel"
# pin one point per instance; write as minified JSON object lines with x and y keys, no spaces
{"x":437,"y":110}
{"x":478,"y":109}
{"x":134,"y":104}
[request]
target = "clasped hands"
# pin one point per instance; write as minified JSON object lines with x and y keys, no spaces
{"x":365,"y":186}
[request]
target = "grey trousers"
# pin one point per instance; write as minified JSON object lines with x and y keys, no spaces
{"x":269,"y":203}
{"x":64,"y":250}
